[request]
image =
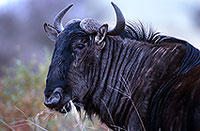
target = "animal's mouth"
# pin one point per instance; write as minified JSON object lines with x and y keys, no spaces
{"x":58,"y":101}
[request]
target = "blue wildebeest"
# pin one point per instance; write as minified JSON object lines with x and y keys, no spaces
{"x":131,"y":78}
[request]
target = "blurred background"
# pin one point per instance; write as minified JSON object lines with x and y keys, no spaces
{"x":25,"y":50}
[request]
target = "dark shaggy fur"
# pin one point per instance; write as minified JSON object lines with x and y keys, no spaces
{"x":140,"y":80}
{"x":139,"y":33}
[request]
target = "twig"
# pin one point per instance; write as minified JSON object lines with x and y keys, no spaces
{"x":126,"y":85}
{"x":7,"y":125}
{"x":130,"y":94}
{"x":108,"y":111}
{"x":20,"y":124}
{"x":21,"y":112}
{"x":37,"y":125}
{"x":46,"y":118}
{"x":118,"y":90}
{"x":26,"y":119}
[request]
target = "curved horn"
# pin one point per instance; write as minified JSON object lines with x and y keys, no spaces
{"x":57,"y":20}
{"x":120,"y":24}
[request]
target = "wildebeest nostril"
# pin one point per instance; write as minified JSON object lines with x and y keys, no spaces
{"x":53,"y":98}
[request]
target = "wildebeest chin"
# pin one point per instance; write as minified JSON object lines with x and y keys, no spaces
{"x":131,"y":78}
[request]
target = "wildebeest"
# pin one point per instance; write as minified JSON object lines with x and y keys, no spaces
{"x":131,"y":78}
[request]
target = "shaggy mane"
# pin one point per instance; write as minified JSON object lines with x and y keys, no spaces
{"x":137,"y":31}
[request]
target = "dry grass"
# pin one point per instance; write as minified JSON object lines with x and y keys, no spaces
{"x":21,"y":103}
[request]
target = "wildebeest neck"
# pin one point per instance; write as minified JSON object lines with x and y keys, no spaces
{"x":128,"y":71}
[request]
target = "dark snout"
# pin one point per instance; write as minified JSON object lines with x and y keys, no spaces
{"x":54,"y":99}
{"x":58,"y":100}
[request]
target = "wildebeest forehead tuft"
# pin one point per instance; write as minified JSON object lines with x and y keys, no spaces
{"x":90,"y":25}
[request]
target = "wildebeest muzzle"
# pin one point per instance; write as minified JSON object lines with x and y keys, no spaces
{"x":58,"y":101}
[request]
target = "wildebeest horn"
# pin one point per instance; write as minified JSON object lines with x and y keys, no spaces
{"x":57,"y":20}
{"x":120,"y":24}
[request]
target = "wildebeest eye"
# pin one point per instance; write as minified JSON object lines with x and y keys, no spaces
{"x":80,"y":46}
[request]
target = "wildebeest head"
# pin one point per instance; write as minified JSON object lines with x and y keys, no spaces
{"x":78,"y":46}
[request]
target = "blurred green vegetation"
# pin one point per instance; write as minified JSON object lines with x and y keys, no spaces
{"x":21,"y":102}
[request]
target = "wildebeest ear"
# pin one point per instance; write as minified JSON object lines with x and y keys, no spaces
{"x":50,"y":31}
{"x":101,"y":34}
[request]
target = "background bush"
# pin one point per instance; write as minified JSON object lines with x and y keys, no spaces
{"x":21,"y":102}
